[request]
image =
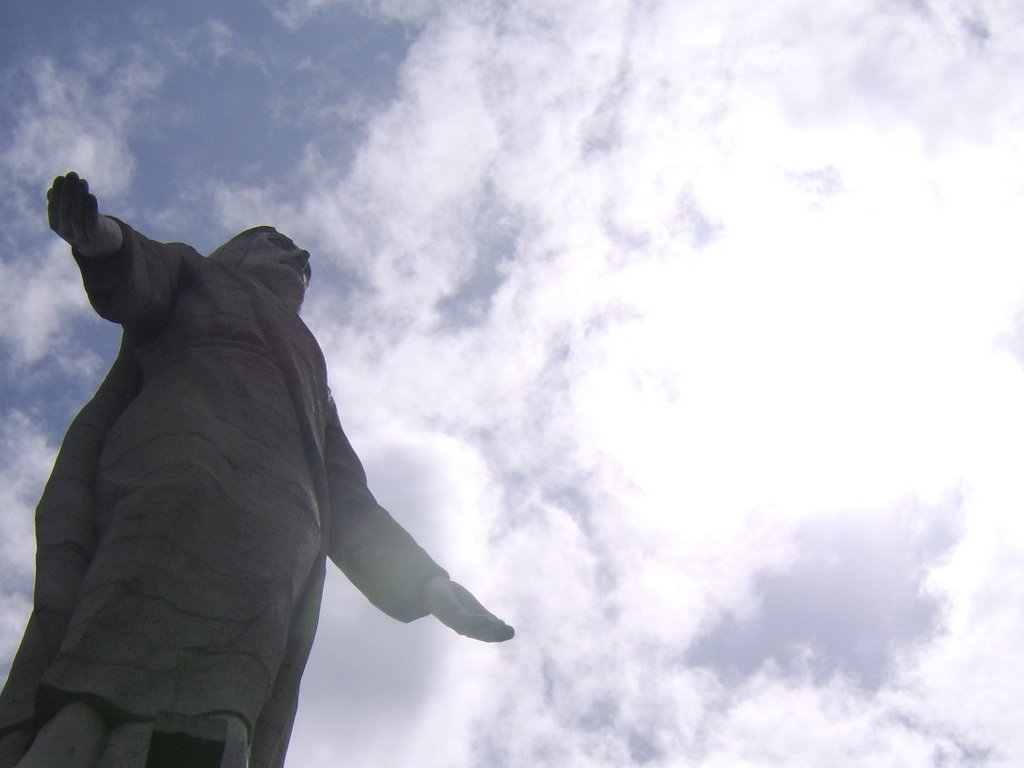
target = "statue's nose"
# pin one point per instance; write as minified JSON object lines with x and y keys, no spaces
{"x":302,"y":260}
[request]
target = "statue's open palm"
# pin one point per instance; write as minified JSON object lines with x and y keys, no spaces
{"x":455,"y":606}
{"x":74,"y":214}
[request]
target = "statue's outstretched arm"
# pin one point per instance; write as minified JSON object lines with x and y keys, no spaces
{"x":384,"y":561}
{"x":130,"y":279}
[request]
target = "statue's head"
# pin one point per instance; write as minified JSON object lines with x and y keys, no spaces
{"x":272,"y":258}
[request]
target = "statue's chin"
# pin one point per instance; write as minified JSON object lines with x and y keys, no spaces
{"x":286,"y":285}
{"x":292,"y":297}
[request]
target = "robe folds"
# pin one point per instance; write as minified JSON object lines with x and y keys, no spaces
{"x":183,"y":535}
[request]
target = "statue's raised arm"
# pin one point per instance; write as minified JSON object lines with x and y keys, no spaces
{"x":183,"y":536}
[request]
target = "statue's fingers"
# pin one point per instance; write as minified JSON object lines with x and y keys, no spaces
{"x":496,"y":631}
{"x":468,"y":600}
{"x":489,"y":629}
{"x":53,"y":203}
{"x":90,"y":215}
{"x":479,"y":624}
{"x":83,"y":216}
{"x":478,"y":611}
{"x":457,"y":608}
{"x":70,"y":190}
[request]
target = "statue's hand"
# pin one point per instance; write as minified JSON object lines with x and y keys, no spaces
{"x":74,"y":215}
{"x":455,"y":606}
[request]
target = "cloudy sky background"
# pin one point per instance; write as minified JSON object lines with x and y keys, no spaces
{"x":688,"y":335}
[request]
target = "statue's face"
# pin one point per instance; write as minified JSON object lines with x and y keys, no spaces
{"x":280,"y":265}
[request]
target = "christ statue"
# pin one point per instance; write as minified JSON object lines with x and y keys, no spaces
{"x":183,"y":535}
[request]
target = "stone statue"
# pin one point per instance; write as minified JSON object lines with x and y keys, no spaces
{"x":183,"y":535}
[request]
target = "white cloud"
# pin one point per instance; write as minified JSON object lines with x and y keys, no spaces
{"x":25,"y":457}
{"x":226,"y":46}
{"x":78,"y":118}
{"x":38,"y":296}
{"x":776,"y":723}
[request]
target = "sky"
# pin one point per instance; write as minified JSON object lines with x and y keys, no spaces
{"x":688,"y":335}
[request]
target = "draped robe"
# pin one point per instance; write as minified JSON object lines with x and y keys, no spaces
{"x":183,"y":535}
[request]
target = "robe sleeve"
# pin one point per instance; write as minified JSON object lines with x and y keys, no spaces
{"x":377,"y":555}
{"x":135,"y":286}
